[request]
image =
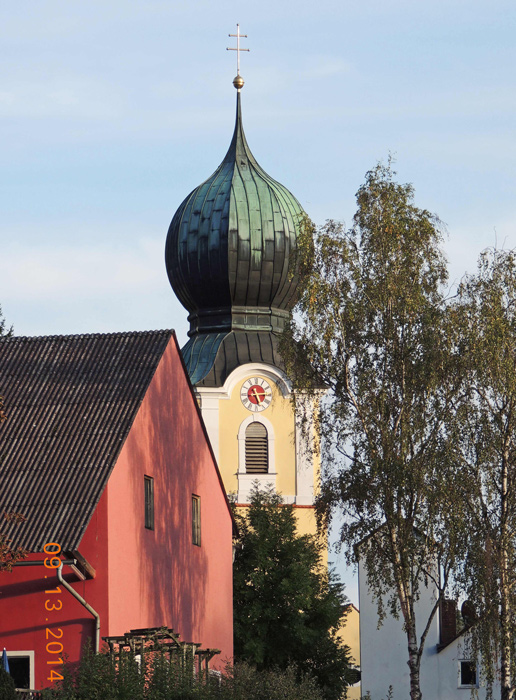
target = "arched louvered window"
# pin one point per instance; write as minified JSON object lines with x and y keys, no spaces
{"x":256,"y":449}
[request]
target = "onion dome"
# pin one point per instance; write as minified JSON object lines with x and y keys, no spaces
{"x":230,"y":244}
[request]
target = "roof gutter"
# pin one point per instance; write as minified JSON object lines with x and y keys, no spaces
{"x":84,"y":603}
{"x":41,"y":562}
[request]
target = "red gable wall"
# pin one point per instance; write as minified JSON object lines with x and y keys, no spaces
{"x":54,"y":624}
{"x":143,"y":578}
{"x":160,"y":575}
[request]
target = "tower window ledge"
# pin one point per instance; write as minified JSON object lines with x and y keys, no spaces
{"x":250,"y":476}
{"x":247,"y":481}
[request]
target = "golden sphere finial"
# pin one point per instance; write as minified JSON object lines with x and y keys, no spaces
{"x":238,"y":82}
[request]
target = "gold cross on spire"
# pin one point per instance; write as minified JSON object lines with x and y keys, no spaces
{"x":238,"y":82}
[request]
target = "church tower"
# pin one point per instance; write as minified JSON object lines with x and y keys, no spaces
{"x":228,"y":256}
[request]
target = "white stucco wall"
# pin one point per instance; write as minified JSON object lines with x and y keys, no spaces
{"x":383,"y":653}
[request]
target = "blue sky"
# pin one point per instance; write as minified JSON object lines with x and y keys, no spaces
{"x":112,"y":111}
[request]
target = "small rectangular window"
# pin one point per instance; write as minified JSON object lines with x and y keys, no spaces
{"x":21,"y":668}
{"x":149,"y":502}
{"x":467,"y":674}
{"x":196,"y":520}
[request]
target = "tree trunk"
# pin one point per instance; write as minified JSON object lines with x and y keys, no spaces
{"x":406,"y":600}
{"x":507,"y":691}
{"x":413,"y":662}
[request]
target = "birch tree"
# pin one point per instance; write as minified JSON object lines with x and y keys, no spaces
{"x":485,"y":438}
{"x":369,"y":325}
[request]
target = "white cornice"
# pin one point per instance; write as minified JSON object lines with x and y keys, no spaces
{"x":243,"y":372}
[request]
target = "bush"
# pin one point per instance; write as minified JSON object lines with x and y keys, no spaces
{"x":7,"y":691}
{"x":98,"y":677}
{"x":243,"y":682}
{"x":175,"y":681}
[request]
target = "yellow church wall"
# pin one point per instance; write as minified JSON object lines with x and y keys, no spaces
{"x":280,"y":415}
{"x":306,"y":524}
{"x":350,"y":632}
{"x":350,"y":635}
{"x":232,"y":413}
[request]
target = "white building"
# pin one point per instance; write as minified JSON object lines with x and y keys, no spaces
{"x":447,"y":669}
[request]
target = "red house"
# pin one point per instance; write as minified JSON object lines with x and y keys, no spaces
{"x":105,"y":454}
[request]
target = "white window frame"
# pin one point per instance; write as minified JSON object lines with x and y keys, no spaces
{"x":459,"y":674}
{"x":30,"y":654}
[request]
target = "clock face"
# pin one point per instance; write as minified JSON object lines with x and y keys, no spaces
{"x":256,"y":394}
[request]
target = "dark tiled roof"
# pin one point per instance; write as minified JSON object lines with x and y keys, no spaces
{"x":70,"y":402}
{"x":211,"y":357}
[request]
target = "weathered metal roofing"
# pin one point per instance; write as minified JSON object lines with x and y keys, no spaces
{"x":229,"y":246}
{"x":210,"y":358}
{"x":70,"y":402}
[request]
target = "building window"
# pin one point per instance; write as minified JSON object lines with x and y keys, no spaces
{"x":468,"y":674}
{"x":256,"y":449}
{"x":251,"y":469}
{"x":21,"y":668}
{"x":196,"y":520}
{"x":149,"y":502}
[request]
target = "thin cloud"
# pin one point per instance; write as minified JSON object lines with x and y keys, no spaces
{"x":59,"y":97}
{"x":82,"y":272}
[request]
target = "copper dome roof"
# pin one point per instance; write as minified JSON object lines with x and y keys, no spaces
{"x":229,"y":246}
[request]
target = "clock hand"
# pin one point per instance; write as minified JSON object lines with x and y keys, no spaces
{"x":259,"y":397}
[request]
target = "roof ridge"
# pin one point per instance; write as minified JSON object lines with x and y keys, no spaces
{"x":111,"y":334}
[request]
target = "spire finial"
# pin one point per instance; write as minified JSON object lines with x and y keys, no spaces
{"x":238,"y":82}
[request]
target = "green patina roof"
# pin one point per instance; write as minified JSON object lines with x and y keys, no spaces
{"x":228,"y":258}
{"x":229,"y":246}
{"x":199,"y":354}
{"x":211,"y":357}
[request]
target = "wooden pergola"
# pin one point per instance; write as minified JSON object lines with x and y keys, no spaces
{"x":165,"y":641}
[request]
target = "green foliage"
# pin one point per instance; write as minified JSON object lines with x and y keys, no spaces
{"x":99,"y":677}
{"x":93,"y":679}
{"x":287,"y":607}
{"x":244,"y":682}
{"x":7,"y":687}
{"x":370,"y":325}
{"x":173,"y":682}
{"x":484,"y":432}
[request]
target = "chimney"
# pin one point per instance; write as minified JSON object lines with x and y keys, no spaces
{"x":448,"y":621}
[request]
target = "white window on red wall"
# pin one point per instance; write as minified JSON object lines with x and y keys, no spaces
{"x":21,"y":668}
